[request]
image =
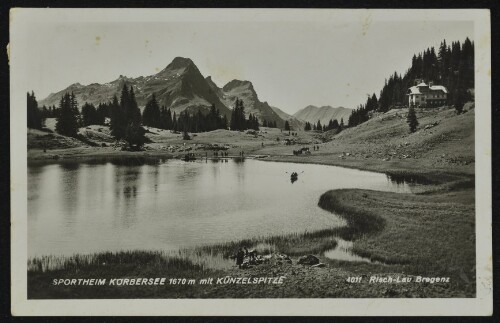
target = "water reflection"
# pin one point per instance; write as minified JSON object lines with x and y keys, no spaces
{"x":117,"y":204}
{"x":412,"y":179}
{"x":239,"y":160}
{"x":69,"y":180}
{"x":343,"y":251}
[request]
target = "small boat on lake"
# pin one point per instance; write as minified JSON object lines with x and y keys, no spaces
{"x":189,"y":157}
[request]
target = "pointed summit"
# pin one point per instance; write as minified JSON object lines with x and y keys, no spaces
{"x":180,"y":62}
{"x":179,"y":65}
{"x":238,"y":83}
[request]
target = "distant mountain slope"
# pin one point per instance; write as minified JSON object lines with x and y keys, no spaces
{"x":282,"y":114}
{"x":324,"y":114}
{"x":295,"y":123}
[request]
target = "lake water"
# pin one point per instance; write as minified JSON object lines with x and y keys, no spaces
{"x":166,"y":205}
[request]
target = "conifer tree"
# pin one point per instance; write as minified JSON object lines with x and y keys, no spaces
{"x":411,"y":119}
{"x":74,"y":106}
{"x":166,"y":118}
{"x":67,"y":123}
{"x":34,"y":115}
{"x":134,"y":135}
{"x":287,"y":125}
{"x":459,"y":102}
{"x":238,"y":121}
{"x":102,"y":113}
{"x":126,"y":119}
{"x":118,"y":122}
{"x":151,"y":115}
{"x":134,"y":113}
{"x":89,"y":115}
{"x":224,"y":122}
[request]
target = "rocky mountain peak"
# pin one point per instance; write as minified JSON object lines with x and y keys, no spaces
{"x":180,"y":62}
{"x":180,"y":86}
{"x":238,"y":84}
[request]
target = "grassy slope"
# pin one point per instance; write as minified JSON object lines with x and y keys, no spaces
{"x":432,"y":234}
{"x":385,"y":144}
{"x":38,"y":139}
{"x":451,"y":140}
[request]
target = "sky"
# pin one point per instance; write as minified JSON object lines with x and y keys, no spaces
{"x":293,"y":58}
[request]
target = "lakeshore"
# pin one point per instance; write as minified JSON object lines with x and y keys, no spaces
{"x":430,"y":233}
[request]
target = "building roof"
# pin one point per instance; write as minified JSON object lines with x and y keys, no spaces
{"x":438,"y":88}
{"x":433,"y":88}
{"x":414,"y":90}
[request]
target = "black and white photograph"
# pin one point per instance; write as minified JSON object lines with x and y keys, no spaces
{"x":303,"y":159}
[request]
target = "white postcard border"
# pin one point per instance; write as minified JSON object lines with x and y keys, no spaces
{"x":481,"y":305}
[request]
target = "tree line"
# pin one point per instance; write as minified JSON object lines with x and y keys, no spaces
{"x":269,"y":124}
{"x":126,"y":120}
{"x":238,"y":120}
{"x":163,"y":118}
{"x":451,"y":66}
{"x":333,"y":124}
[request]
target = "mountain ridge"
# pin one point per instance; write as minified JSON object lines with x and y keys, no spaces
{"x":180,"y":86}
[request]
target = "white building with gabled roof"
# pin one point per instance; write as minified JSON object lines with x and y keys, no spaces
{"x":424,"y":95}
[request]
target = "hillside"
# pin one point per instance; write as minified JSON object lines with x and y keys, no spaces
{"x":443,"y":143}
{"x":442,"y":136}
{"x":295,"y":123}
{"x":324,"y":114}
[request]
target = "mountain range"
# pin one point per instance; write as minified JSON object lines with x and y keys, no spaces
{"x":181,"y":87}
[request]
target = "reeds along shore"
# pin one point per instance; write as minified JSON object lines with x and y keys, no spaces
{"x":200,"y":258}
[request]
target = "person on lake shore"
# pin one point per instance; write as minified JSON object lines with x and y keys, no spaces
{"x":239,"y":257}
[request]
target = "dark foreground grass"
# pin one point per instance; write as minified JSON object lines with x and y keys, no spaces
{"x":197,"y":263}
{"x":133,"y":264}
